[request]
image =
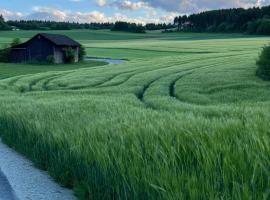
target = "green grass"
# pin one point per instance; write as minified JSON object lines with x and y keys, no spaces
{"x":9,"y":70}
{"x":185,"y":118}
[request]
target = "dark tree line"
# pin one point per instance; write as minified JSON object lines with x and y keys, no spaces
{"x":128,"y":27}
{"x":3,"y":24}
{"x":153,"y":27}
{"x":253,"y":20}
{"x":52,"y":25}
{"x":138,"y":28}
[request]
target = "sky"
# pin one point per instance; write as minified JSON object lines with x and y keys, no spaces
{"x":138,"y":11}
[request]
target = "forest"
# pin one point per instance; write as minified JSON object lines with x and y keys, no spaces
{"x":3,"y":24}
{"x":52,"y":25}
{"x":235,"y":20}
{"x":252,"y":21}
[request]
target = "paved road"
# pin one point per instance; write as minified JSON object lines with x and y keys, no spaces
{"x":6,"y":192}
{"x":20,"y":180}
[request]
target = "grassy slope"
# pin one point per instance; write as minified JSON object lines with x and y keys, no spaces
{"x":185,"y":118}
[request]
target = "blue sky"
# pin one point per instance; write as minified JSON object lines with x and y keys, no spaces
{"x":139,"y":11}
{"x":27,"y":5}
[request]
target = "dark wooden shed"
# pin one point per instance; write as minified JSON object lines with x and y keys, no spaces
{"x":42,"y":45}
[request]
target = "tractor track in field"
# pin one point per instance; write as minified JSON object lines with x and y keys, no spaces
{"x":141,"y":94}
{"x":14,"y":80}
{"x":105,"y":83}
{"x":112,"y":78}
{"x":46,"y":82}
{"x":98,"y":84}
{"x":47,"y":79}
{"x":172,"y":84}
{"x":155,"y":50}
{"x":120,"y":74}
{"x":117,"y":84}
{"x":141,"y":72}
{"x":36,"y":81}
{"x":163,"y":68}
{"x":115,"y":76}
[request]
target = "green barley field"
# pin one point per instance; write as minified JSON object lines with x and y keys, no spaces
{"x":184,"y":118}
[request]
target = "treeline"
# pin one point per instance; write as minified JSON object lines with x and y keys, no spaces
{"x":164,"y":26}
{"x":52,"y":25}
{"x":128,"y":27}
{"x":253,"y":20}
{"x":139,"y":28}
{"x":3,"y":24}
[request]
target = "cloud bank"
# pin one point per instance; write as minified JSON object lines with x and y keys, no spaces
{"x":129,"y":5}
{"x":53,"y":14}
{"x":138,"y":11}
{"x":193,"y":6}
{"x":101,"y":3}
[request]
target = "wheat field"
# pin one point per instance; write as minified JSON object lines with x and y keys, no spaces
{"x":184,"y":118}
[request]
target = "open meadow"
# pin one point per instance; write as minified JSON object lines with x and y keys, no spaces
{"x":184,"y":118}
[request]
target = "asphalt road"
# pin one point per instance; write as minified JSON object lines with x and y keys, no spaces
{"x":20,"y":180}
{"x":6,"y":192}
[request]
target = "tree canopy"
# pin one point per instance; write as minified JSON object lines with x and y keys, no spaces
{"x":3,"y":24}
{"x":252,"y":20}
{"x":128,"y":27}
{"x":52,"y":25}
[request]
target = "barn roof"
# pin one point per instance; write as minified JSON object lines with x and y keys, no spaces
{"x":60,"y":40}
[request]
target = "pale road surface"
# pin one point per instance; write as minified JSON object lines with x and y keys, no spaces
{"x":6,"y":192}
{"x":19,"y":180}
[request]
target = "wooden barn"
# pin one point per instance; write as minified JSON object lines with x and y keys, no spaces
{"x":38,"y":48}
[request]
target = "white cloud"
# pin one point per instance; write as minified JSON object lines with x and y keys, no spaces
{"x":101,"y":3}
{"x":151,"y":10}
{"x":10,"y":14}
{"x":192,"y":6}
{"x":151,"y":13}
{"x":47,"y":13}
{"x":53,"y":14}
{"x":168,"y":18}
{"x":129,"y":5}
{"x":87,"y":17}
